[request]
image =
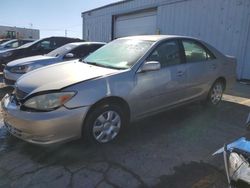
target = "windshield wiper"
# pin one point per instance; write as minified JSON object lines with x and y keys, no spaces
{"x":105,"y":66}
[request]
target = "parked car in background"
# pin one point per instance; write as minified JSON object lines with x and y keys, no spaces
{"x":125,"y":80}
{"x":15,"y":69}
{"x":14,"y":43}
{"x":38,"y":47}
{"x":4,"y":40}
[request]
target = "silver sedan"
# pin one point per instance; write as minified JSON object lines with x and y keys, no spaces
{"x":127,"y":79}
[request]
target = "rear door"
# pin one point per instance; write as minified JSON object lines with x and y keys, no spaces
{"x":201,"y":67}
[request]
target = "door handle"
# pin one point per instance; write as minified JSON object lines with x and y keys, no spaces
{"x":180,"y":73}
{"x":214,"y":66}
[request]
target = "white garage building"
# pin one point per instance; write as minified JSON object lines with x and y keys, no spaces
{"x":223,"y":23}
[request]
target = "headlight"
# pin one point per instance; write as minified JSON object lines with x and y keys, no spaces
{"x":49,"y":101}
{"x":7,"y":54}
{"x":19,"y":69}
{"x":24,"y":68}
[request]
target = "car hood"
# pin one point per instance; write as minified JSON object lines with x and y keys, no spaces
{"x":58,"y":76}
{"x":29,"y":60}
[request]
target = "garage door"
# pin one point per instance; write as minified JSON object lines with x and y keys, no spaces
{"x":143,"y":23}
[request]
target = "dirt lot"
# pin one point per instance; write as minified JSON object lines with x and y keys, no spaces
{"x":170,"y":150}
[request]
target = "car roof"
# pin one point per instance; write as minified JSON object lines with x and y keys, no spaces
{"x":61,"y":37}
{"x":156,"y":37}
{"x":87,"y":43}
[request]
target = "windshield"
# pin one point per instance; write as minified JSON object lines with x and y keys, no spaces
{"x":62,"y":50}
{"x":29,"y":44}
{"x":120,"y":54}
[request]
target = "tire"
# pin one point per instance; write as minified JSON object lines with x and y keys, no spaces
{"x":104,"y":124}
{"x":215,"y":94}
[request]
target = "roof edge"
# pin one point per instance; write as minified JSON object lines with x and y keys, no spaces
{"x":105,"y":6}
{"x":18,"y":27}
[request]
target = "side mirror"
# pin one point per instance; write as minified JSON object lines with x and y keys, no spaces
{"x":150,"y":66}
{"x":69,"y":55}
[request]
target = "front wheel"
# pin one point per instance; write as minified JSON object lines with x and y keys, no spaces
{"x":104,"y":123}
{"x":216,"y":93}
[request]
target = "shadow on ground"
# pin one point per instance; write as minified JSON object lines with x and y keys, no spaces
{"x":165,"y":150}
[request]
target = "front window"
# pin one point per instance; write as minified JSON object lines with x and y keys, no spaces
{"x":47,"y":44}
{"x":167,"y":54}
{"x":44,"y":45}
{"x":119,"y":54}
{"x":62,"y":50}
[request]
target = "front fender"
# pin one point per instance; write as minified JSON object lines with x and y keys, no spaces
{"x":91,"y":91}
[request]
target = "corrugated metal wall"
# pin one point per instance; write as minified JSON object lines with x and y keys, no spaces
{"x":223,"y":23}
{"x":97,"y":24}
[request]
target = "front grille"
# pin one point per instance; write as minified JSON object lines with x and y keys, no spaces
{"x":19,"y":93}
{"x":9,"y":82}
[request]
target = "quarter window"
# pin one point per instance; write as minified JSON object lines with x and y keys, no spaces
{"x":195,"y":52}
{"x":167,"y":54}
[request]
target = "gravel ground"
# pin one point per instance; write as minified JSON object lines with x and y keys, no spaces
{"x":171,"y":150}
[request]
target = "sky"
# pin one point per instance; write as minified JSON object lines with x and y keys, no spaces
{"x":51,"y":17}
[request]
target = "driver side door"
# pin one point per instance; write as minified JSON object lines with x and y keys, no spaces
{"x":165,"y":87}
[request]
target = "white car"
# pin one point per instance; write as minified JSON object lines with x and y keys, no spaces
{"x":15,"y":69}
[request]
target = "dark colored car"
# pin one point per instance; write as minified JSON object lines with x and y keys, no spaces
{"x":14,"y":43}
{"x":76,"y":50}
{"x":38,"y":47}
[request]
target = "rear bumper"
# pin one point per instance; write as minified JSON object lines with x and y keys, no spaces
{"x":43,"y":128}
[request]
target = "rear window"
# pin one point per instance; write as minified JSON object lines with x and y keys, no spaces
{"x":195,"y":52}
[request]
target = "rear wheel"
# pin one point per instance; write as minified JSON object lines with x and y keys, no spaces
{"x":104,"y":123}
{"x":216,"y":93}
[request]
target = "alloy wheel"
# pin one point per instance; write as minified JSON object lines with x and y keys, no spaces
{"x":106,"y":126}
{"x":216,"y":93}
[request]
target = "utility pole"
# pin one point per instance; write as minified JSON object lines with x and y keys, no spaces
{"x":66,"y":33}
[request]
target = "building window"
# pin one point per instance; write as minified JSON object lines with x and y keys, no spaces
{"x":11,"y":34}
